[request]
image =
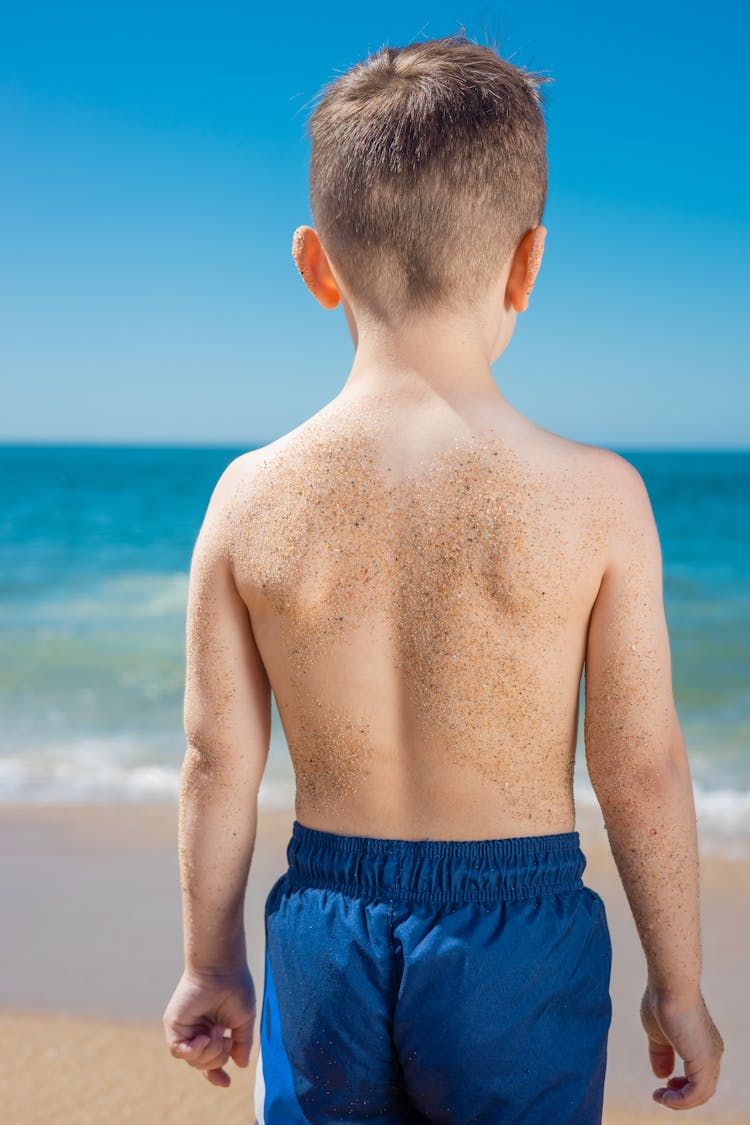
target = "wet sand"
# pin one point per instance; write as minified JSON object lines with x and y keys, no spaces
{"x":91,"y":949}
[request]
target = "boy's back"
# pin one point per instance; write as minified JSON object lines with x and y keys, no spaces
{"x":419,"y":573}
{"x":420,"y":578}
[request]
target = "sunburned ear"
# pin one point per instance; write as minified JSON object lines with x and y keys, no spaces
{"x":525,"y":267}
{"x":313,"y":265}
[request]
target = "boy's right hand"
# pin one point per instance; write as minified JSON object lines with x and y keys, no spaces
{"x":686,"y":1028}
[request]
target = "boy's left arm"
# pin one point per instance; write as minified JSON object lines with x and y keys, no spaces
{"x":227,"y":723}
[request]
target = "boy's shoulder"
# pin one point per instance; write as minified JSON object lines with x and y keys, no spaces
{"x":611,"y":490}
{"x":610,"y":470}
{"x":242,"y":471}
{"x":610,"y":475}
{"x":246,"y":464}
{"x":618,"y":477}
{"x":597,"y":484}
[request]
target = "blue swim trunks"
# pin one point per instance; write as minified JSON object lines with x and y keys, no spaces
{"x":461,"y":981}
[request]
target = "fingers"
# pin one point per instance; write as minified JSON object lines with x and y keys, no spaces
{"x":189,"y":1049}
{"x":204,"y":1051}
{"x":242,"y":1036}
{"x":661,"y":1055}
{"x":217,"y":1077}
{"x":660,"y":1050}
{"x":202,"y":1006}
{"x":686,"y":1092}
{"x":216,"y":1057}
{"x":212,"y":1067}
{"x":209,"y":1052}
{"x":237,"y":1047}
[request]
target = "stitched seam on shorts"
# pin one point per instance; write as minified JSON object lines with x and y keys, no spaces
{"x":403,"y":894}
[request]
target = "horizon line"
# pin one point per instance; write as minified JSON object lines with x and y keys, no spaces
{"x":129,"y":443}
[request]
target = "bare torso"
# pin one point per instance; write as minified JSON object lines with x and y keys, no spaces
{"x":420,"y":583}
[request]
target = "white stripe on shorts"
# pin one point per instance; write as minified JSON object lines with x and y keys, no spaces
{"x":260,"y":1091}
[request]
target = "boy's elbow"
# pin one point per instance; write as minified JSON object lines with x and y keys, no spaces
{"x":202,"y":757}
{"x":658,"y":770}
{"x":206,"y":750}
{"x":212,"y":755}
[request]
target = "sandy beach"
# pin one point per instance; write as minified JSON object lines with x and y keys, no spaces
{"x":91,"y":949}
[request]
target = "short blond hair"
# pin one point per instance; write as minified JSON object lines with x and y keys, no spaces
{"x":428,"y":164}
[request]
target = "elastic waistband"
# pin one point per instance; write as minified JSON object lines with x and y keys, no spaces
{"x":520,"y":867}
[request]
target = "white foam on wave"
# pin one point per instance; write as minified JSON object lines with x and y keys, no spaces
{"x":141,"y":595}
{"x":121,"y":768}
{"x":112,"y":769}
{"x":723,"y":816}
{"x":91,"y":769}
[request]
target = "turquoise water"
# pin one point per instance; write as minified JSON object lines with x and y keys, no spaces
{"x":95,"y":546}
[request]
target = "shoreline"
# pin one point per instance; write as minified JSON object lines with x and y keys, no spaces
{"x":92,"y":937}
{"x":723,"y":815}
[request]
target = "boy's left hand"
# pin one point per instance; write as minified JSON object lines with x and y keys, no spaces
{"x":202,"y":1006}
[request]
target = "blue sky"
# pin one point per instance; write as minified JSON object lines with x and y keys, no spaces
{"x":154,"y":167}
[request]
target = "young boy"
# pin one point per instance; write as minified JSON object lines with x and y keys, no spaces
{"x":419,"y":573}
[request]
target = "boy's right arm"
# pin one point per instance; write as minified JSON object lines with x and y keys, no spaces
{"x":638,"y":767}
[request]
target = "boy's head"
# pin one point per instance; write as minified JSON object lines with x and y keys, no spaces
{"x":428,"y":165}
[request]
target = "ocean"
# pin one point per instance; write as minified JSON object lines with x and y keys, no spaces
{"x":95,"y":547}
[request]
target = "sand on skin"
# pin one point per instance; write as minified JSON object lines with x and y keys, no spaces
{"x":91,"y":947}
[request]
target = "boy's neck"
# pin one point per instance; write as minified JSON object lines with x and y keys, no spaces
{"x":449,"y":360}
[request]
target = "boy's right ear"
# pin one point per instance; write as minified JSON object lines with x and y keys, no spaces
{"x":313,"y":265}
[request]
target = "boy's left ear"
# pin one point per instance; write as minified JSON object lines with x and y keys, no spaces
{"x":312,"y":263}
{"x":525,"y":267}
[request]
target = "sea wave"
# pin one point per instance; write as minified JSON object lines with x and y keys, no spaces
{"x":94,"y":770}
{"x":723,"y":817}
{"x":121,"y":768}
{"x":111,"y":598}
